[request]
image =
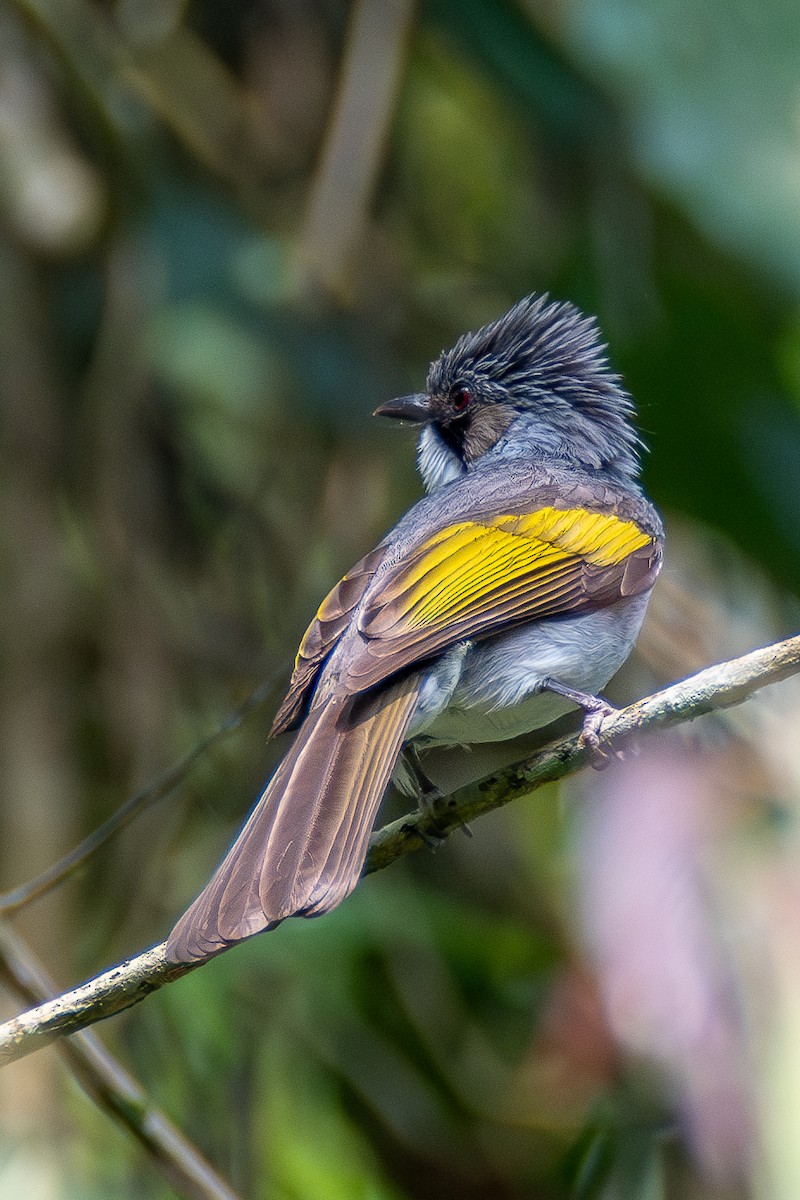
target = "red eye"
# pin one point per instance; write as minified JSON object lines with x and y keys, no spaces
{"x":460,"y":397}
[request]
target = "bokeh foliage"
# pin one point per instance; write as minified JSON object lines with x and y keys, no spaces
{"x":188,"y":363}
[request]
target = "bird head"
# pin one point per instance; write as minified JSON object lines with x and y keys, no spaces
{"x":536,"y":384}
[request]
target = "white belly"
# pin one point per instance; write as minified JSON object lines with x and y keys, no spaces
{"x":491,"y":691}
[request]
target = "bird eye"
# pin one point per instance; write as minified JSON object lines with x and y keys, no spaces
{"x":460,"y":398}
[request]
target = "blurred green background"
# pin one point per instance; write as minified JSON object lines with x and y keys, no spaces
{"x":227,"y":232}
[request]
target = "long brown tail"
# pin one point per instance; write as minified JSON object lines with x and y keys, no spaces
{"x":303,"y":847}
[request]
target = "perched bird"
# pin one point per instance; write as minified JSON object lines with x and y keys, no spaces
{"x":508,"y":595}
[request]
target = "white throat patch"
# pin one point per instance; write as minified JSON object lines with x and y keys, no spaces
{"x":436,"y":461}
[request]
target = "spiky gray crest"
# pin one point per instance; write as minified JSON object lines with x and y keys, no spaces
{"x":539,"y":349}
{"x":547,"y":359}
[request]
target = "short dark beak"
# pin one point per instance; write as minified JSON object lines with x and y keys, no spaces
{"x":407,"y":408}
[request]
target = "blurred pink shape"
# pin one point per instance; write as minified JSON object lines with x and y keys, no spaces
{"x":651,"y":921}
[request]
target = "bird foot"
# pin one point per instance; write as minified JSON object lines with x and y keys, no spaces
{"x":430,"y":802}
{"x":600,"y":756}
{"x":433,"y":805}
{"x":431,"y":840}
{"x":596,"y":712}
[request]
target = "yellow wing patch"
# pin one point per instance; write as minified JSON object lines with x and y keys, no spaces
{"x":460,"y":566}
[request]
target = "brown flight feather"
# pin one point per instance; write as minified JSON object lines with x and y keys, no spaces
{"x":321,"y":636}
{"x":303,"y":847}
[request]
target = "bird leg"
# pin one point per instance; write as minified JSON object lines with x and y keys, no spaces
{"x":428,"y":795}
{"x":596,"y":710}
{"x":426,"y":791}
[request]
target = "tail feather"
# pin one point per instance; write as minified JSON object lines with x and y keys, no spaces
{"x":379,"y":743}
{"x":303,"y":847}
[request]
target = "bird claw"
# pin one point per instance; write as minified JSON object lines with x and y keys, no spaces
{"x":596,"y":711}
{"x":430,"y":804}
{"x":600,"y":756}
{"x":430,"y":839}
{"x":428,"y":799}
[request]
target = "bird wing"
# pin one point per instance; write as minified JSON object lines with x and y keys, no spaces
{"x":332,"y":619}
{"x":472,"y":578}
{"x":478,"y":576}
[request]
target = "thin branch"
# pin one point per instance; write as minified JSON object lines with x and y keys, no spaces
{"x":717,"y":687}
{"x":722,"y":686}
{"x":164,"y":786}
{"x":113,"y":1089}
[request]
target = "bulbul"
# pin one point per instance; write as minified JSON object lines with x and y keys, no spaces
{"x":511,"y":593}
